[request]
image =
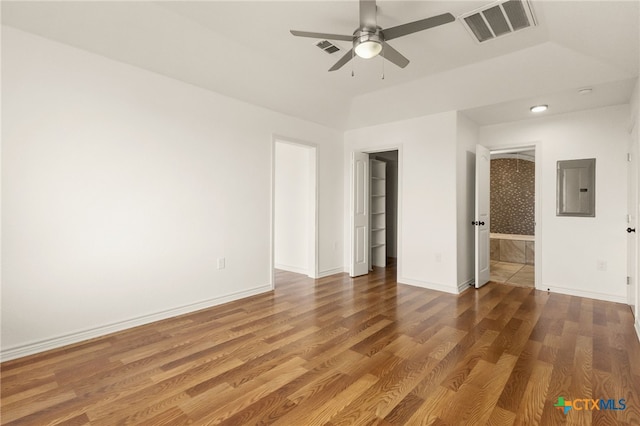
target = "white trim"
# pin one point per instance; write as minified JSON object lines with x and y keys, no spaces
{"x":295,"y":269}
{"x":633,"y":262}
{"x":428,"y":285}
{"x":91,"y":333}
{"x":584,"y":293}
{"x":272,"y":214}
{"x":314,"y":246}
{"x":329,"y":272}
{"x":637,"y":327}
{"x":466,"y":285}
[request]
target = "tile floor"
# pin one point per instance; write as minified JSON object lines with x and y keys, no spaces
{"x":512,"y":273}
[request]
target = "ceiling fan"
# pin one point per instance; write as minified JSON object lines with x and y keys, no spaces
{"x":369,"y":40}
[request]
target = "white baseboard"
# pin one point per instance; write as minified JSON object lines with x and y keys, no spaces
{"x":326,"y":273}
{"x":583,"y":293}
{"x":321,"y":274}
{"x":466,"y":285}
{"x":427,"y":285}
{"x":91,"y":333}
{"x":289,"y":268}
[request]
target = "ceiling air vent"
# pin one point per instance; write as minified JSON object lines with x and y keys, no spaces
{"x":327,"y":46}
{"x":498,"y":19}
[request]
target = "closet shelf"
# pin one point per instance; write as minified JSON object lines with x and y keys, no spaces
{"x":377,"y":194}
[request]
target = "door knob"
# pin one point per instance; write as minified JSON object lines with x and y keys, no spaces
{"x":481,"y":223}
{"x":630,"y":230}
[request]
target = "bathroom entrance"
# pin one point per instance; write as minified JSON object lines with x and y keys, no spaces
{"x":512,"y":213}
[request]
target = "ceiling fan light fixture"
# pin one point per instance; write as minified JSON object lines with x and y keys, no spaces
{"x":367,"y":44}
{"x":368,"y":49}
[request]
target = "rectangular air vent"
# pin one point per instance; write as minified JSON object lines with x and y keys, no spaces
{"x":327,"y":46}
{"x":498,"y":19}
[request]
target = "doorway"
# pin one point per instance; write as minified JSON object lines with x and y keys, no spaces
{"x":384,"y":201}
{"x":513,"y":216}
{"x":374,"y":197}
{"x":294,"y":195}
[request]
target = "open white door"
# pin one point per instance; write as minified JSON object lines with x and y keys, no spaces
{"x":481,"y":221}
{"x":632,"y":222}
{"x":359,"y":214}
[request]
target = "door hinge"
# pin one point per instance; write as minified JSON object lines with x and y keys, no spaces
{"x":628,"y":156}
{"x":628,"y":280}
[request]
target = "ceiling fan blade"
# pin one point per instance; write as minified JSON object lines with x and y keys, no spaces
{"x":322,"y":35}
{"x":368,"y":12}
{"x":346,"y":58}
{"x":393,"y":55}
{"x":414,"y":27}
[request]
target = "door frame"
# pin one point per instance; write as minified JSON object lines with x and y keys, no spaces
{"x":482,"y":230}
{"x":312,"y":227}
{"x":633,"y":203}
{"x":538,"y":238}
{"x":396,"y":147}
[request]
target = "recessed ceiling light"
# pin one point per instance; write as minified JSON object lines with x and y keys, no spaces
{"x":539,"y":108}
{"x":585,"y":91}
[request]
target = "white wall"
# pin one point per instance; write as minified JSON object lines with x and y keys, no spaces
{"x":465,"y":190}
{"x":121,"y":188}
{"x":427,"y":254}
{"x":292,"y":207}
{"x":573,"y":246}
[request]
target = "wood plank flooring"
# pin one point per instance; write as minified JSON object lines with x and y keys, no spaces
{"x":341,"y":351}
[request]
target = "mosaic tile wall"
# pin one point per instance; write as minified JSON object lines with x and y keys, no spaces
{"x":512,"y":196}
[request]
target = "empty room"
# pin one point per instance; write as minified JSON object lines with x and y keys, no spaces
{"x":348,"y":212}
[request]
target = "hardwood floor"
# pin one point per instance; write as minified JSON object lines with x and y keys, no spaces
{"x":341,"y":351}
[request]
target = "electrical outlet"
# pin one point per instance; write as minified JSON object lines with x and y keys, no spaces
{"x":601,"y":265}
{"x":221,"y":263}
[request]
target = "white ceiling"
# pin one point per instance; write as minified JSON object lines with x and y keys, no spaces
{"x":243,"y":49}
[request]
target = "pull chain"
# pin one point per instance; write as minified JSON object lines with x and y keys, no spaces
{"x":353,"y":56}
{"x":382,"y":63}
